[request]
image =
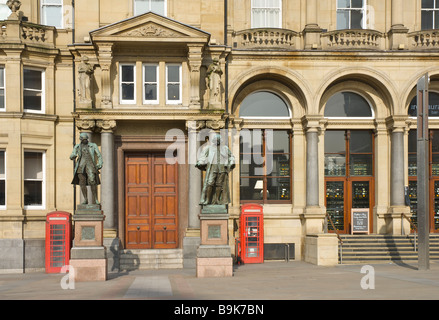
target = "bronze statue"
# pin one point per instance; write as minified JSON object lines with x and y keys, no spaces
{"x":217,"y":160}
{"x":88,"y":163}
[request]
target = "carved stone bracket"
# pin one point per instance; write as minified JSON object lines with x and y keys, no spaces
{"x":215,"y":124}
{"x":105,"y":56}
{"x":195,"y":125}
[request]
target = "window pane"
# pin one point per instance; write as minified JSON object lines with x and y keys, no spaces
{"x":173,"y":92}
{"x":427,"y":4}
{"x":150,"y":74}
{"x":127,"y":91}
{"x":33,"y":165}
{"x":278,"y":165}
{"x":273,"y":18}
{"x":356,"y":19}
{"x":32,"y":79}
{"x":2,"y":165}
{"x":433,"y":105}
{"x":335,"y":165}
{"x":32,"y":100}
{"x":258,"y":18}
{"x":52,"y":16}
{"x":335,"y":141}
{"x":150,"y":92}
{"x":436,"y":19}
{"x":127,"y":73}
{"x":2,"y":192}
{"x":357,"y":3}
{"x":249,"y":167}
{"x":251,"y":189}
{"x":278,"y":189}
{"x":2,"y":77}
{"x":280,"y":141}
{"x":361,"y":165}
{"x":4,"y":10}
{"x":347,"y":104}
{"x":360,"y":141}
{"x":435,"y":141}
{"x":412,"y":139}
{"x":33,"y":194}
{"x":141,"y":6}
{"x":2,"y":98}
{"x":173,"y":73}
{"x":158,"y":6}
{"x":342,"y":19}
{"x":343,"y":3}
{"x":263,"y":104}
{"x":251,"y":141}
{"x":426,"y":20}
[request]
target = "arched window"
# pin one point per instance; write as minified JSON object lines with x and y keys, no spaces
{"x":264,"y":104}
{"x":433,"y":105}
{"x":348,"y":104}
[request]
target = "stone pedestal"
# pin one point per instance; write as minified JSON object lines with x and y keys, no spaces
{"x":214,"y":258}
{"x":88,"y":255}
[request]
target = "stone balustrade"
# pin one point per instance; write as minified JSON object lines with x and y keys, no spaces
{"x":265,"y":38}
{"x":27,"y":33}
{"x":424,"y":40}
{"x":353,"y":39}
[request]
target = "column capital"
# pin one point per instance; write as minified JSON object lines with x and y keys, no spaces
{"x":195,"y":125}
{"x":106,"y":125}
{"x":312,"y":123}
{"x":85,"y":124}
{"x":397,"y":123}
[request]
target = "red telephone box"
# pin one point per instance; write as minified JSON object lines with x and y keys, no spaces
{"x":252,"y":234}
{"x":58,"y":240}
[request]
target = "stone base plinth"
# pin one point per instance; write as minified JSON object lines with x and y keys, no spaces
{"x":89,"y":269}
{"x":321,"y":249}
{"x":214,"y":267}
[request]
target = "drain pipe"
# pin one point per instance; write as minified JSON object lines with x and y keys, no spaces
{"x":74,"y":96}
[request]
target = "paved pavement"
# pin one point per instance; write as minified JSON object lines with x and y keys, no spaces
{"x":293,"y":280}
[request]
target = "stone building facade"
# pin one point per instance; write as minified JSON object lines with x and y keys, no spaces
{"x":315,"y":99}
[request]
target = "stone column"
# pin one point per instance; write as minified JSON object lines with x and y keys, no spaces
{"x":398,"y":207}
{"x":312,"y":30}
{"x":108,"y":172}
{"x":192,"y":240}
{"x":314,"y":214}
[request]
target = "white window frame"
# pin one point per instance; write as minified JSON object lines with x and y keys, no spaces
{"x":3,"y":88}
{"x":157,"y":83}
{"x":42,"y":91}
{"x":363,"y":11}
{"x":43,"y":181}
{"x":135,"y":9}
{"x":170,"y":101}
{"x":2,"y":207}
{"x":434,"y":10}
{"x":127,"y":101}
{"x":44,"y":18}
{"x":266,"y":9}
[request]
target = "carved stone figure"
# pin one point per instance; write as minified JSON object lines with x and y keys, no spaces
{"x":85,"y":70}
{"x":14,"y":5}
{"x":217,"y":160}
{"x":88,"y":163}
{"x":214,"y":74}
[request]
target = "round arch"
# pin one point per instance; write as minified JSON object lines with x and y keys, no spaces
{"x":410,"y":89}
{"x":376,"y":87}
{"x":282,"y":81}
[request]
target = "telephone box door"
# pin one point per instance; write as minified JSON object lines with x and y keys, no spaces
{"x":58,"y":240}
{"x":252,"y":234}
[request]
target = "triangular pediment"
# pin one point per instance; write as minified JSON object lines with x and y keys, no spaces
{"x":149,"y":27}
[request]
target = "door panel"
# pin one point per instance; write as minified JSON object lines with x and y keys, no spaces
{"x":151,"y":202}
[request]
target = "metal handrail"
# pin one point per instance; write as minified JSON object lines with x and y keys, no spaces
{"x":413,"y":227}
{"x":338,"y":236}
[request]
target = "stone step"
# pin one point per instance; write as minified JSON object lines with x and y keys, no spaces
{"x":138,"y":259}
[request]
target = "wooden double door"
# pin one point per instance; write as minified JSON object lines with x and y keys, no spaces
{"x":151,"y":202}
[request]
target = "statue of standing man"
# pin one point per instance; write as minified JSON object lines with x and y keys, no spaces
{"x":217,"y":160}
{"x":88,"y":163}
